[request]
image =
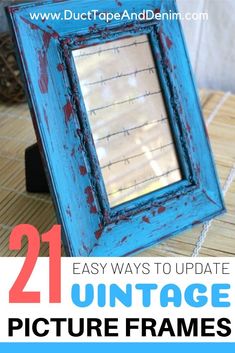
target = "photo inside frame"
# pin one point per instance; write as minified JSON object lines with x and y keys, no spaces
{"x":128,"y":118}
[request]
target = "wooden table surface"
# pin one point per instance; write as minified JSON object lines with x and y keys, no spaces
{"x":17,"y":206}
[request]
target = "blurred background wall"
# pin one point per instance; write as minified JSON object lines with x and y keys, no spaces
{"x":211,"y":43}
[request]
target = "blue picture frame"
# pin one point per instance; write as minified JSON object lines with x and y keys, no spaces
{"x":90,"y":226}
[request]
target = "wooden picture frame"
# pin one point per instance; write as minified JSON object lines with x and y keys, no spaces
{"x":90,"y":226}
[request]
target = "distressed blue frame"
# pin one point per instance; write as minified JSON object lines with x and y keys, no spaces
{"x":90,"y":227}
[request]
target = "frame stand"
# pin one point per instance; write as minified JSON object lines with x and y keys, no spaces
{"x":35,"y":176}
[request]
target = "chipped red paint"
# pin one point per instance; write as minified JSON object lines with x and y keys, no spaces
{"x":161,"y":39}
{"x":12,"y":9}
{"x":93,"y":209}
{"x":46,"y":119}
{"x":67,"y":41}
{"x":157,"y":10}
{"x":168,"y":63}
{"x":165,"y":43}
{"x":46,"y":40}
{"x":80,"y":39}
{"x":145,"y":219}
{"x":90,"y":200}
{"x":169,"y":43}
{"x":82,"y":170}
{"x":129,"y":25}
{"x":68,"y":111}
{"x":123,"y":218}
{"x":60,"y":67}
{"x":32,"y":25}
{"x":99,"y":232}
{"x":90,"y":197}
{"x":161,"y":209}
{"x":55,"y":35}
{"x":43,"y":77}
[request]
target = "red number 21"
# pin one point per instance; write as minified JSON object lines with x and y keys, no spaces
{"x":53,"y":237}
